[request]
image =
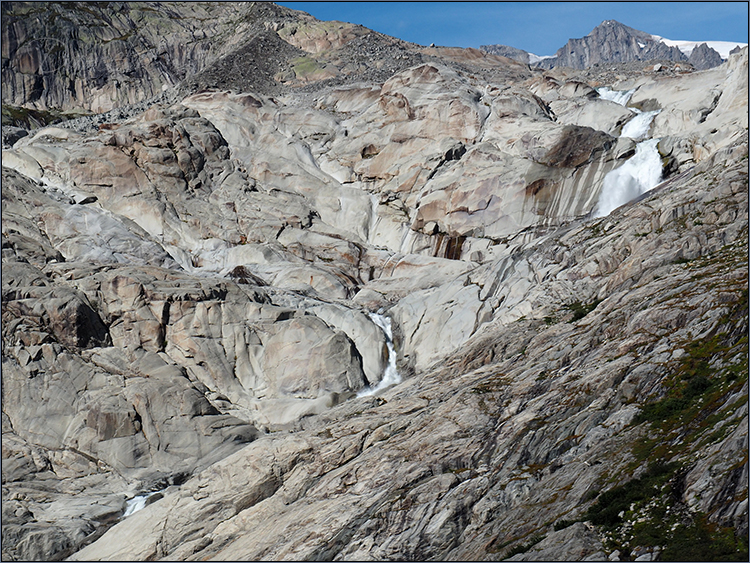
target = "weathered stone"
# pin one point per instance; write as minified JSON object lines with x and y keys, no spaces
{"x":303,"y":359}
{"x":611,"y":42}
{"x":703,"y":57}
{"x":574,"y":543}
{"x":200,"y":330}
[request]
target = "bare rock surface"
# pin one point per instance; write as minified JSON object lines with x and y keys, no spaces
{"x":115,"y":55}
{"x":703,"y":57}
{"x":612,"y":41}
{"x":353,"y":304}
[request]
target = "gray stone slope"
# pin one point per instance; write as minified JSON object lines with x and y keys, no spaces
{"x":488,"y":448}
{"x":196,"y":291}
{"x":93,"y":57}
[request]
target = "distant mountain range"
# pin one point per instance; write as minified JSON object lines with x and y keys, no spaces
{"x":613,"y":42}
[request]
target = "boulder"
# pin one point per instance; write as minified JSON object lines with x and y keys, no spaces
{"x":303,"y":358}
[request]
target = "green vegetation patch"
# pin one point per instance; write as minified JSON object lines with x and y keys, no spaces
{"x":580,"y":310}
{"x":649,"y":511}
{"x":699,"y":541}
{"x":611,"y":504}
{"x":711,"y":367}
{"x":643,"y":512}
{"x":304,"y":66}
{"x":34,"y":118}
{"x":698,"y":405}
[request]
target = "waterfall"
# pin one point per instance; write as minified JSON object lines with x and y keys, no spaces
{"x":638,"y":127}
{"x":621,"y":97}
{"x":642,"y":171}
{"x":407,"y":239}
{"x":637,"y":176}
{"x":374,"y":219}
{"x":390,"y":374}
{"x":137,"y":503}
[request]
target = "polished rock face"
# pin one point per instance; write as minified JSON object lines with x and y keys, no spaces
{"x":189,"y":282}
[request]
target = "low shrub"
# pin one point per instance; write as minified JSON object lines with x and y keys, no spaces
{"x":580,"y":310}
{"x":606,"y":511}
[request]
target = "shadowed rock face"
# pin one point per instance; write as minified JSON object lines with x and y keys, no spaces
{"x":70,"y":319}
{"x":576,"y":147}
{"x":506,"y":51}
{"x":189,"y":286}
{"x":93,"y":57}
{"x":704,"y":57}
{"x":612,"y":42}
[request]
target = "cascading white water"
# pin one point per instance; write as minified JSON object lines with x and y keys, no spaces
{"x":638,"y":127}
{"x":407,"y":239}
{"x":621,"y":97}
{"x":136,"y":503}
{"x":637,"y":176}
{"x":642,"y":171}
{"x":390,"y":374}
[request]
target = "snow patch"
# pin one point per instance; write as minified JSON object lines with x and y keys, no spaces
{"x":721,"y":47}
{"x":533,"y":59}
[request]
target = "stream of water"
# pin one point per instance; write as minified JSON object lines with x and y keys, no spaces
{"x":137,"y":503}
{"x":390,"y":374}
{"x":621,"y":97}
{"x":637,"y":176}
{"x":637,"y":128}
{"x":642,"y":171}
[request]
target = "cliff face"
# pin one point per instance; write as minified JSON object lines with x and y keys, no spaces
{"x":205,"y":297}
{"x":611,"y":41}
{"x":92,"y":57}
{"x":506,"y":51}
{"x":704,"y":57}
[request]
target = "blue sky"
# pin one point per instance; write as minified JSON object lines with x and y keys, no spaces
{"x":537,"y":27}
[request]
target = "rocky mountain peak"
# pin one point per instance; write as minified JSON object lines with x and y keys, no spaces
{"x":612,"y":42}
{"x":703,"y":57}
{"x":613,"y":28}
